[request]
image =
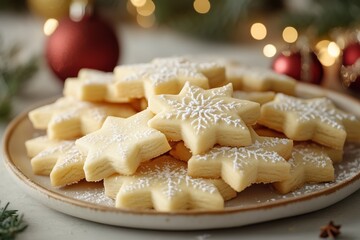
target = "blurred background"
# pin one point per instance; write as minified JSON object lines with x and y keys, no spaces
{"x":42,"y":42}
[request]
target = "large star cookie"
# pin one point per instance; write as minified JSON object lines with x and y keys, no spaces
{"x":309,"y":163}
{"x":163,"y":184}
{"x":165,"y":76}
{"x":257,"y":79}
{"x":93,"y":85}
{"x":314,"y":119}
{"x":202,"y":118}
{"x":69,"y":118}
{"x":62,"y":161}
{"x":263,"y":161}
{"x":120,"y":145}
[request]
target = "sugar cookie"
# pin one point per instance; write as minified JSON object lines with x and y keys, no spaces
{"x":69,"y":118}
{"x":165,"y":76}
{"x":163,"y":184}
{"x":314,"y":119}
{"x":259,"y":79}
{"x":202,"y":118}
{"x":263,"y":161}
{"x":309,"y":163}
{"x":36,"y":145}
{"x":120,"y":145}
{"x":63,"y":162}
{"x":93,"y":85}
{"x":259,"y":97}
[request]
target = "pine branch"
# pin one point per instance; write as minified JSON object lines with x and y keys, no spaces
{"x":12,"y":75}
{"x":10,"y":223}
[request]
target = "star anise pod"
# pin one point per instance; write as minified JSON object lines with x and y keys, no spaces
{"x":330,"y":231}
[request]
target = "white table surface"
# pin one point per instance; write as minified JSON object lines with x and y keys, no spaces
{"x":140,"y":46}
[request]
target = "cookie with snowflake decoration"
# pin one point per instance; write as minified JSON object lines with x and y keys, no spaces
{"x":203,"y":118}
{"x":259,"y":97}
{"x":263,"y":161}
{"x":69,"y":118}
{"x":259,"y":79}
{"x":120,"y":145}
{"x":62,"y":161}
{"x":166,"y":75}
{"x":314,"y":119}
{"x":163,"y":184}
{"x":309,"y":164}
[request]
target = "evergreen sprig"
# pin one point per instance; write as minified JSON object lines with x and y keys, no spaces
{"x":11,"y":223}
{"x":13,"y":74}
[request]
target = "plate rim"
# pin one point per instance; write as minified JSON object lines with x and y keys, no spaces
{"x":230,"y":210}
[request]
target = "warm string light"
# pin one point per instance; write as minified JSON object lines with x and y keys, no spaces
{"x":269,"y":50}
{"x":202,"y":6}
{"x":290,"y":34}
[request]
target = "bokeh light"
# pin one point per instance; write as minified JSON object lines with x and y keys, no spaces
{"x":202,"y":6}
{"x":269,"y":50}
{"x":290,"y":34}
{"x":50,"y":26}
{"x":258,"y":31}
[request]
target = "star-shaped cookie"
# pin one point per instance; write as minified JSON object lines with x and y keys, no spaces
{"x":120,"y":145}
{"x":62,"y":161}
{"x":93,"y":85}
{"x":165,"y":76}
{"x":309,"y":164}
{"x":163,"y":184}
{"x":202,"y":118}
{"x":263,"y":161}
{"x":258,"y":79}
{"x":314,"y":119}
{"x":69,"y":118}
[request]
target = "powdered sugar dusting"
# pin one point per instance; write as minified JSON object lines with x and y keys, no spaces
{"x":169,"y":177}
{"x":321,"y":109}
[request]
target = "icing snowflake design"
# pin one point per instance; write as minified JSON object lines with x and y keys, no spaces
{"x":204,"y":110}
{"x":321,"y":109}
{"x":242,"y":156}
{"x":169,"y":177}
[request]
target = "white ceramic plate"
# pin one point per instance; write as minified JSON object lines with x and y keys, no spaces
{"x":258,"y":203}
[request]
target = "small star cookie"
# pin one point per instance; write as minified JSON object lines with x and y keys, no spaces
{"x":314,"y":119}
{"x":69,"y":118}
{"x":263,"y":161}
{"x":202,"y":118}
{"x":163,"y":184}
{"x":165,"y":76}
{"x":62,"y":161}
{"x":36,"y":145}
{"x":120,"y":145}
{"x":93,"y":85}
{"x":309,"y":164}
{"x":259,"y":79}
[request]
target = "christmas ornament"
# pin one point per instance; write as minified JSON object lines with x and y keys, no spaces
{"x":301,"y":65}
{"x":350,"y":69}
{"x":87,"y":43}
{"x":50,"y":8}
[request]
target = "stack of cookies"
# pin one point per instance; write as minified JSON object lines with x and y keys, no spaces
{"x":179,"y":133}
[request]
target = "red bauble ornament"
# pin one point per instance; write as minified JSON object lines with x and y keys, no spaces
{"x":304,"y":67}
{"x":351,"y":54}
{"x":88,"y":43}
